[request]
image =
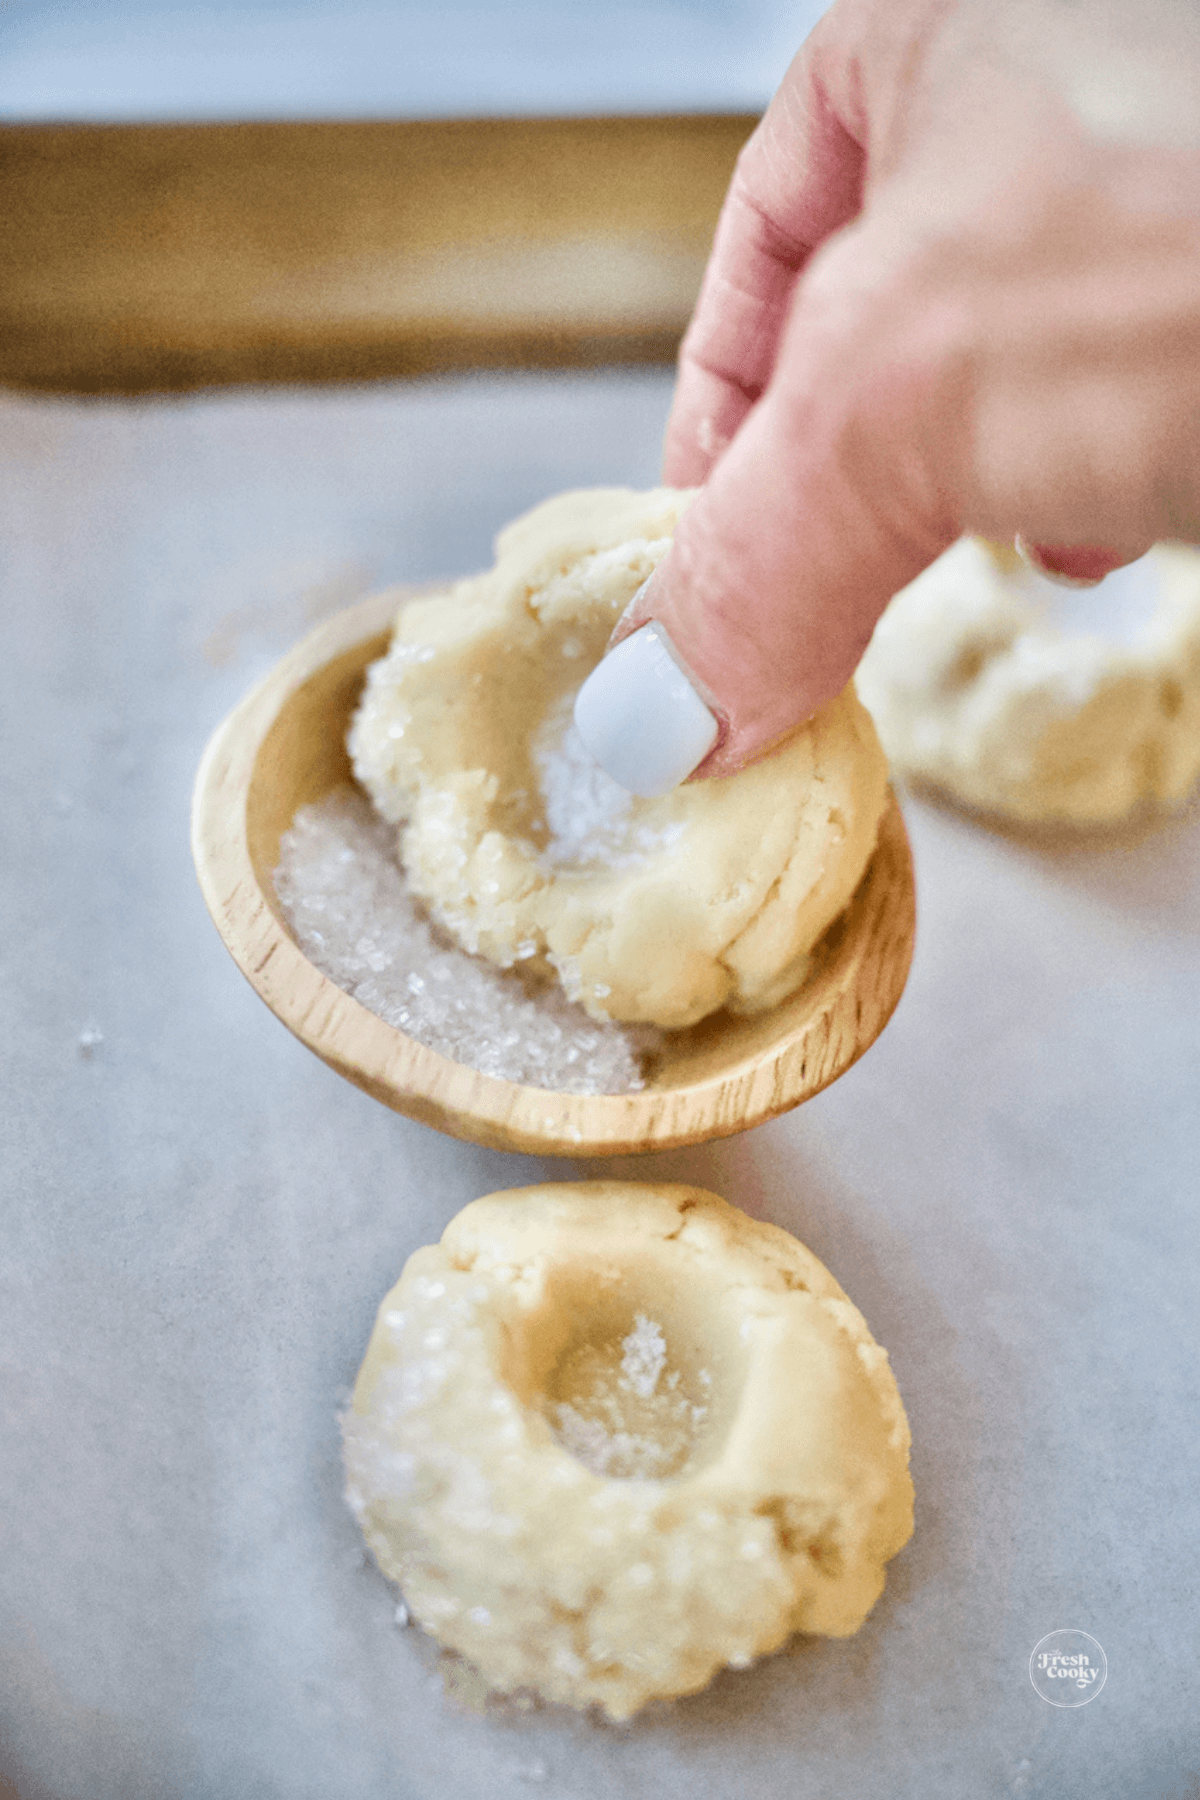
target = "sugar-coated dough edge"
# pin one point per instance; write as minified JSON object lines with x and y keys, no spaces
{"x":728,"y":915}
{"x":975,"y":693}
{"x":581,"y":1593}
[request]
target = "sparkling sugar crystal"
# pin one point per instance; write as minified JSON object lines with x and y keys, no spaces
{"x":643,"y":1356}
{"x":346,"y":900}
{"x":590,"y":818}
{"x":630,"y":1419}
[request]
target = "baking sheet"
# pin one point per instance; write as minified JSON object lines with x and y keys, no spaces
{"x":199,"y":1218}
{"x":162,"y":257}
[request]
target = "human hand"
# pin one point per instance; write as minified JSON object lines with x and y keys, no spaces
{"x":955,"y":287}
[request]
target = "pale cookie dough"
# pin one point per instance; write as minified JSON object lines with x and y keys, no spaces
{"x":654,"y":911}
{"x":610,"y":1437}
{"x":978,"y":690}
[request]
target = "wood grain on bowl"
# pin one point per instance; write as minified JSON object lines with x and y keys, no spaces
{"x":283,"y":747}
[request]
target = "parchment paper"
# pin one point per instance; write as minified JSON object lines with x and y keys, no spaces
{"x":199,"y":1218}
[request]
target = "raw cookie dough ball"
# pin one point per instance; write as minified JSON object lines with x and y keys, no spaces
{"x":654,"y":911}
{"x":977,"y":690}
{"x":610,"y":1437}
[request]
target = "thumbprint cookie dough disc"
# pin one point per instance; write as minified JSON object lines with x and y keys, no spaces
{"x":977,"y":689}
{"x":611,"y":1437}
{"x":647,"y":911}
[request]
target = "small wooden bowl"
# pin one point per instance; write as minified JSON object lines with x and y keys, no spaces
{"x":284,"y":747}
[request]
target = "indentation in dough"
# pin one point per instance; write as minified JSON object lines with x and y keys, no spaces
{"x":622,"y":1409}
{"x":1043,"y":705}
{"x":609,"y":1437}
{"x":654,"y":911}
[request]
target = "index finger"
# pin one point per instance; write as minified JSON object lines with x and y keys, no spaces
{"x":798,"y":179}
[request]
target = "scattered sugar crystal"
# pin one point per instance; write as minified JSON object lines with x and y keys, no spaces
{"x":535,"y":1770}
{"x":586,"y":811}
{"x":622,"y":1418}
{"x":403,"y":1616}
{"x":644,"y":1355}
{"x":89,"y":1041}
{"x":590,"y":818}
{"x":346,"y":900}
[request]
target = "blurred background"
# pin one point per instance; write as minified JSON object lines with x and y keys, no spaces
{"x":229,"y":193}
{"x":142,"y":59}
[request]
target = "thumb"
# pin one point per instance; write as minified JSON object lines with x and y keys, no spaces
{"x":824,"y":505}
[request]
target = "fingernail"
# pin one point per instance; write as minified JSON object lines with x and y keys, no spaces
{"x":640,"y":717}
{"x":620,"y":629}
{"x":1031,"y":556}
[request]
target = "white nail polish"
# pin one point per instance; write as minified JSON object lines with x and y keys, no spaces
{"x":640,"y":717}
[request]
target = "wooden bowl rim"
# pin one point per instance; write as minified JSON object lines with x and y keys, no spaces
{"x":416,"y":1080}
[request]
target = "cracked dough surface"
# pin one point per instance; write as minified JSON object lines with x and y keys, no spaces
{"x":655,"y":911}
{"x":778,"y":1513}
{"x":977,"y":690}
